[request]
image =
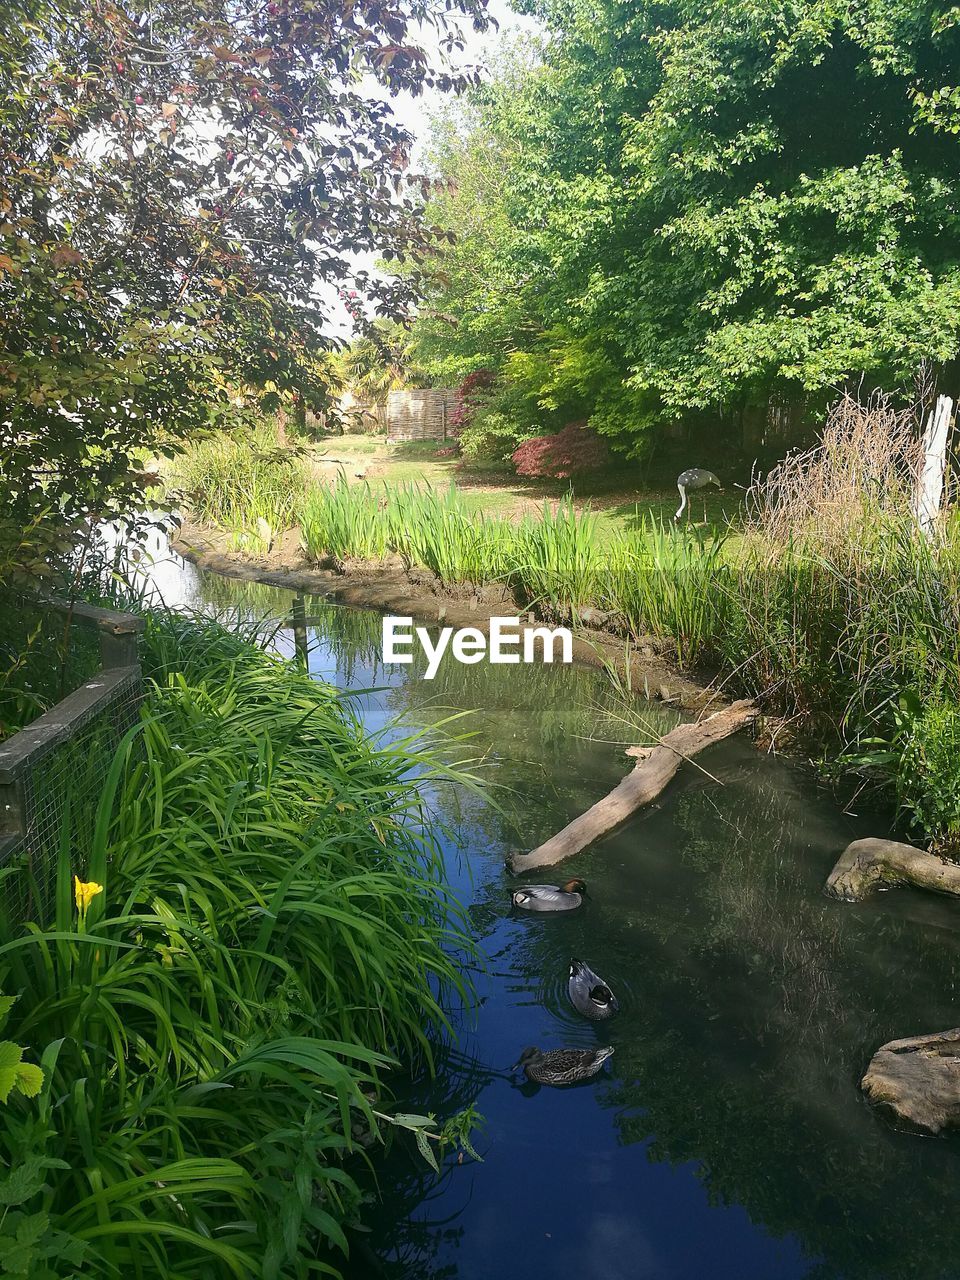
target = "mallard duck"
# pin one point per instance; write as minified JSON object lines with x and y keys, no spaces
{"x":589,"y":994}
{"x":562,"y":1066}
{"x":550,"y":897}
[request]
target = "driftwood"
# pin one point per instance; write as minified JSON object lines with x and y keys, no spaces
{"x":867,"y":865}
{"x":918,"y":1079}
{"x":654,"y":768}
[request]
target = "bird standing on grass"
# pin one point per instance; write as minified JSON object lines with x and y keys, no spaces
{"x":690,"y":481}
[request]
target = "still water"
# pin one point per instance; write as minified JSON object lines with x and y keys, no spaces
{"x":727,"y":1136}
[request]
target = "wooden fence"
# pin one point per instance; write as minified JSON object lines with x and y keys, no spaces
{"x":53,"y":771}
{"x":420,"y":413}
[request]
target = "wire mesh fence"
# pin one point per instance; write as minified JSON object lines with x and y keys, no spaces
{"x":53,"y":771}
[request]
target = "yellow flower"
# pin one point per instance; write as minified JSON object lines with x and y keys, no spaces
{"x":85,"y":893}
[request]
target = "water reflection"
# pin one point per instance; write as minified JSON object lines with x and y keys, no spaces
{"x":729,"y":1137}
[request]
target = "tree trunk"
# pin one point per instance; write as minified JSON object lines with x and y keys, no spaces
{"x":654,"y":769}
{"x":867,"y":865}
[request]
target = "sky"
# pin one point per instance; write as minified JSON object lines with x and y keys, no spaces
{"x":414,"y":114}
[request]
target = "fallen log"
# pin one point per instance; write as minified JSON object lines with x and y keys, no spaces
{"x":654,"y":768}
{"x":918,"y":1079}
{"x":868,"y":865}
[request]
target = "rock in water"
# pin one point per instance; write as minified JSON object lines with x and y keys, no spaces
{"x":918,"y":1079}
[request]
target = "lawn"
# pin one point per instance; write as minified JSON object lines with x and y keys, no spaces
{"x":620,"y":503}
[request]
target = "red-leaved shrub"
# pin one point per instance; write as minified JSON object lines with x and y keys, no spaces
{"x":570,"y":452}
{"x":472,"y":391}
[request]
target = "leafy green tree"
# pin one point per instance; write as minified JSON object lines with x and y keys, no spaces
{"x":180,"y":186}
{"x":710,"y":204}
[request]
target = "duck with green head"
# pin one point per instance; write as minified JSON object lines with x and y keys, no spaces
{"x":550,"y":897}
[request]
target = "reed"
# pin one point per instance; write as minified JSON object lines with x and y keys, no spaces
{"x":344,"y":520}
{"x":216,"y":1029}
{"x":244,"y":484}
{"x":558,"y":557}
{"x":439,"y":531}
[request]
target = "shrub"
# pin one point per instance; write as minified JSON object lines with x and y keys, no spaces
{"x":471,"y":393}
{"x":491,"y":437}
{"x":573,"y":451}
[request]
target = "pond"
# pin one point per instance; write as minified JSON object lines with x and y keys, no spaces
{"x":727,"y":1136}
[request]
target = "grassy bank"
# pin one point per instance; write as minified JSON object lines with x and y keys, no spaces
{"x":828,"y":602}
{"x":267,"y":935}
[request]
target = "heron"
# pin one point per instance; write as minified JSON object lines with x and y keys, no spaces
{"x":695,"y":478}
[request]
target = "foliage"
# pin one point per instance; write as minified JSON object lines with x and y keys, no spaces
{"x":16,"y":1076}
{"x":177,"y":187}
{"x":571,"y":452}
{"x":688,"y":208}
{"x":378,"y":362}
{"x":272,"y":935}
{"x":472,"y":393}
{"x":243,"y":482}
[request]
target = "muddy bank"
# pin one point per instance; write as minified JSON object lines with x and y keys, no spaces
{"x":390,"y":587}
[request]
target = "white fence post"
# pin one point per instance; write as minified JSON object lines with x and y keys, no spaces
{"x":930,"y":486}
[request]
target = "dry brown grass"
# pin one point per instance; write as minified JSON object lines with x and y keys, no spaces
{"x":835,"y":496}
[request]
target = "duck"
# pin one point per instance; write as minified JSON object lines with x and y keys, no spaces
{"x":589,"y":994}
{"x":562,"y":1066}
{"x":550,"y":897}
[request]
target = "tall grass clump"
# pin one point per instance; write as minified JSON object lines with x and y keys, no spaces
{"x":244,"y":483}
{"x":671,"y":584}
{"x":344,"y":520}
{"x":847,"y":615}
{"x":257,"y":933}
{"x":437,"y":530}
{"x":557,"y":557}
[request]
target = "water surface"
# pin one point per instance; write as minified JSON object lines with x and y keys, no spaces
{"x":728,"y":1136}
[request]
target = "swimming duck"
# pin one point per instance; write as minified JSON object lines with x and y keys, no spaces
{"x":589,"y":994}
{"x":562,"y":1066}
{"x":550,"y":897}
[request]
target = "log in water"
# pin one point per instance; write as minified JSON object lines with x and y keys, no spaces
{"x":868,"y":865}
{"x":654,"y":768}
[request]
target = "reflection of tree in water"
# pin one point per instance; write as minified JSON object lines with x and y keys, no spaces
{"x":404,"y":1239}
{"x":542,"y":744}
{"x":255,"y":599}
{"x":752,"y":1003}
{"x":749,"y":1047}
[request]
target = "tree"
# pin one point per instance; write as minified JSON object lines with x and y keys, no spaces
{"x":178,"y":184}
{"x":721,"y":202}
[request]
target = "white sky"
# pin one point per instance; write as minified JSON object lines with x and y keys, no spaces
{"x":414,"y":113}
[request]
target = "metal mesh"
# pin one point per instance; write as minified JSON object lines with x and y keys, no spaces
{"x":72,"y":691}
{"x":43,"y":658}
{"x":60,"y":789}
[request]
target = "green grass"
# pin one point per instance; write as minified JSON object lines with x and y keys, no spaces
{"x":273,"y":935}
